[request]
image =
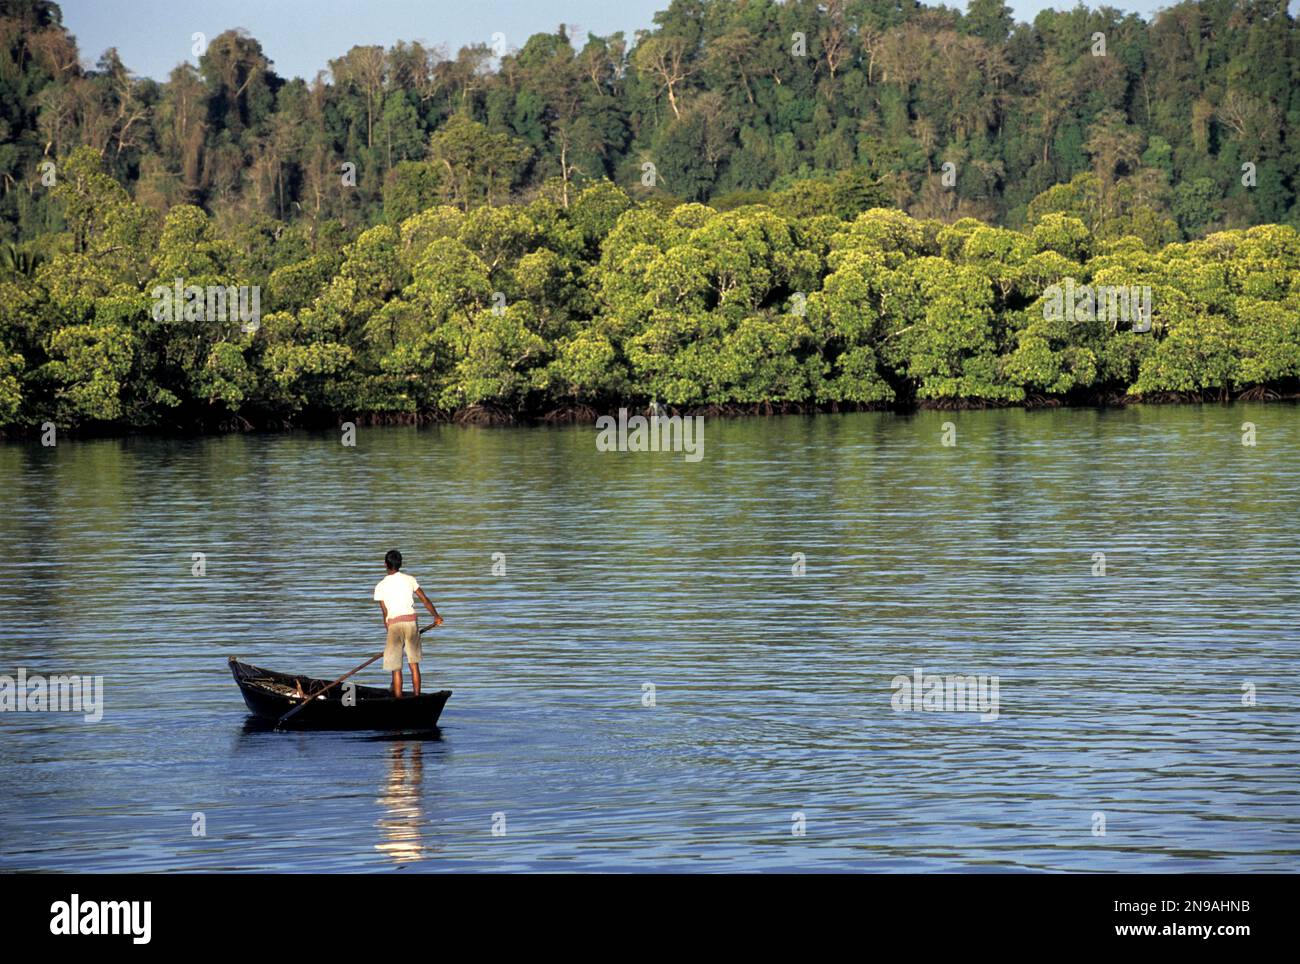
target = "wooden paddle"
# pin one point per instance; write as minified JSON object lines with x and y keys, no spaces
{"x":281,"y":721}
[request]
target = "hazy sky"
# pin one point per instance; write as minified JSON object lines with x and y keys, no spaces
{"x":300,"y":36}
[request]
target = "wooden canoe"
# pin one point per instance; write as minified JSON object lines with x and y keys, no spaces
{"x":270,"y":695}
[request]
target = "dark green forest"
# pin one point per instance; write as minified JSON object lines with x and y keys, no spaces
{"x":753,"y":206}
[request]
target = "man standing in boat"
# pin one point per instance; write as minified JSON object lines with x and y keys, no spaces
{"x":395,"y":594}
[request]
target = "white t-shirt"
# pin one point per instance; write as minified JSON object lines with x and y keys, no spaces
{"x":396,"y":592}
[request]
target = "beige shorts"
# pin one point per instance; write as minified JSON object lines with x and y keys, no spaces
{"x":402,"y":636}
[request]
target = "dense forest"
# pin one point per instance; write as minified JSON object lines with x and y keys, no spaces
{"x":752,"y":206}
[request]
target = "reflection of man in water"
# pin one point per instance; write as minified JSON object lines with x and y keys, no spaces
{"x":399,"y":827}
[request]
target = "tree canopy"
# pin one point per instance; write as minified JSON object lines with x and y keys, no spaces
{"x":1189,"y":119}
{"x":754,"y":205}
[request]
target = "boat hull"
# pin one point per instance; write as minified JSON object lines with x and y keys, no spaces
{"x":269,"y":695}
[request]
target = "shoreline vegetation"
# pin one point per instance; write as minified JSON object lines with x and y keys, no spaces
{"x":537,"y":312}
{"x":493,"y":417}
{"x":233,"y":251}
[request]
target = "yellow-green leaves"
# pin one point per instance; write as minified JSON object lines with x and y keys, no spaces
{"x":89,"y":364}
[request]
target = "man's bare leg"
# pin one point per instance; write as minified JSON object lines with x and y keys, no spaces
{"x":415,"y":678}
{"x":397,"y":682}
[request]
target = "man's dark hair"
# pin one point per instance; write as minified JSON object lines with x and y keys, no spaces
{"x":393,"y":559}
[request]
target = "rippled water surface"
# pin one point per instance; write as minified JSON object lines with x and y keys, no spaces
{"x":1120,"y":695}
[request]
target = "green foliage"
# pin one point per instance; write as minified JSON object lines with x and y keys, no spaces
{"x":473,"y":164}
{"x":11,"y":389}
{"x":1152,"y":139}
{"x":88,"y":365}
{"x":498,"y":246}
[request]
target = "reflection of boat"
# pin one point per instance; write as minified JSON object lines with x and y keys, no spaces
{"x":399,"y":827}
{"x":270,"y":695}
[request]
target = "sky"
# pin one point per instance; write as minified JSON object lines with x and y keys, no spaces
{"x":301,"y":36}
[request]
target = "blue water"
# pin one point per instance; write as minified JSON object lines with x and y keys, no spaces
{"x":1120,"y":695}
